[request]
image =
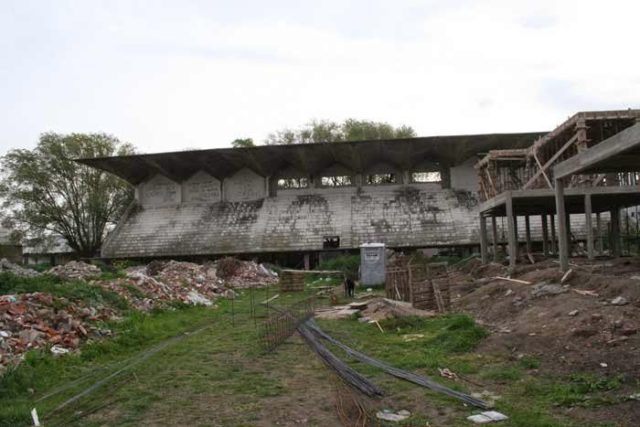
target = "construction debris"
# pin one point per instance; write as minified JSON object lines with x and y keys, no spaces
{"x":373,"y":310}
{"x":388,"y":415}
{"x":159,"y":283}
{"x":36,"y":320}
{"x":487,"y":417}
{"x":311,"y":326}
{"x":75,"y":270}
{"x":8,"y":266}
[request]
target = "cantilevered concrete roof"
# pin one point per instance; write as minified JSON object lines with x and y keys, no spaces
{"x":310,"y":159}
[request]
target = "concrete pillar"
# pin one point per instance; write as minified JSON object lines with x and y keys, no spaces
{"x":307,"y":263}
{"x":484,"y":256}
{"x":527,"y":230}
{"x":545,"y":235}
{"x":515,"y":230}
{"x":563,"y":242}
{"x":588,"y":225}
{"x":615,"y":231}
{"x":511,"y":233}
{"x":599,"y":234}
{"x":554,"y":240}
{"x":494,"y":237}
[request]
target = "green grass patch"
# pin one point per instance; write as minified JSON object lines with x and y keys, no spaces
{"x":75,"y":290}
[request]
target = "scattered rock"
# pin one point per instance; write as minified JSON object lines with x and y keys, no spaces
{"x":619,"y":301}
{"x":388,"y":415}
{"x":487,"y":417}
{"x":573,"y":312}
{"x":543,"y":289}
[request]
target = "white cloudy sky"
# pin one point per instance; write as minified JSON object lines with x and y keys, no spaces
{"x":170,"y":75}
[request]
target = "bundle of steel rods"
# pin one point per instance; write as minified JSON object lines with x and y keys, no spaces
{"x":347,"y":374}
{"x":392,"y":370}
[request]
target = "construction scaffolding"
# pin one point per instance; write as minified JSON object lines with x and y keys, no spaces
{"x":532,"y":168}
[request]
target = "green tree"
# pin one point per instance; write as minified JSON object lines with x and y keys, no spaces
{"x":44,"y":191}
{"x":329,"y":131}
{"x":242,"y":142}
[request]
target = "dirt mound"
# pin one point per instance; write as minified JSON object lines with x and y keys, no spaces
{"x":75,"y":270}
{"x":590,"y":319}
{"x":37,"y":320}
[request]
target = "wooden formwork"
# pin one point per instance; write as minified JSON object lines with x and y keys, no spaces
{"x":292,"y":281}
{"x":424,"y":285}
{"x":532,"y":167}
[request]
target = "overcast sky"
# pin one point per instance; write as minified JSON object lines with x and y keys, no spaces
{"x":171,"y":75}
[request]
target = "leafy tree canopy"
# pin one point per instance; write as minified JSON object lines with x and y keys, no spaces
{"x":242,"y":142}
{"x":349,"y":130}
{"x":44,"y":192}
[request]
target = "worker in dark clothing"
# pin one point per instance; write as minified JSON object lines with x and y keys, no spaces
{"x":349,"y":287}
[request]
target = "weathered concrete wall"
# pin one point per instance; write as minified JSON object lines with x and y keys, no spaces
{"x":464,"y":176}
{"x":245,"y":185}
{"x":159,"y":191}
{"x":201,"y":188}
{"x":398,"y":215}
{"x":196,"y":217}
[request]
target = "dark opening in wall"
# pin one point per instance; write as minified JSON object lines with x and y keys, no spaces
{"x":285,"y":183}
{"x":432,"y":176}
{"x":331,"y":242}
{"x":381,"y":178}
{"x":335,"y":181}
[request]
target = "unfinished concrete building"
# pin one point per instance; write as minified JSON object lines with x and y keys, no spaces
{"x":524,"y":183}
{"x":303,"y":199}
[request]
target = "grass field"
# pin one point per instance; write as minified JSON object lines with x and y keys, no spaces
{"x":204,"y":366}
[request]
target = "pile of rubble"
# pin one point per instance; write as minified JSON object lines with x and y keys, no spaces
{"x":37,"y":320}
{"x":373,"y":310}
{"x":75,"y":270}
{"x":162,"y":282}
{"x":7,"y":266}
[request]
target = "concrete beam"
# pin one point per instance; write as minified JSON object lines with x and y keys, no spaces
{"x":595,"y":157}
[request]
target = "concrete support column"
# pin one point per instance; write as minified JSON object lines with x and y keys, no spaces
{"x":494,"y":237}
{"x":484,"y":256}
{"x":599,"y":234}
{"x":545,"y":235}
{"x":563,"y":242}
{"x":588,"y":226}
{"x":307,"y":263}
{"x":615,"y":232}
{"x":527,"y":231}
{"x":554,"y":240}
{"x":511,"y":233}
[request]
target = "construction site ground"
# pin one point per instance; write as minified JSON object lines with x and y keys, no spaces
{"x":547,"y":353}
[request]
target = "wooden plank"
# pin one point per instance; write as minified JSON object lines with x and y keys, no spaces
{"x":546,"y":177}
{"x":550,"y":161}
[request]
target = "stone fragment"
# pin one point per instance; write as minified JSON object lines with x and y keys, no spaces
{"x":619,"y":301}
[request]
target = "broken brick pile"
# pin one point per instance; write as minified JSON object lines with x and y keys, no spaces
{"x":37,"y":320}
{"x":155,"y":285}
{"x":75,"y":270}
{"x":40,"y":320}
